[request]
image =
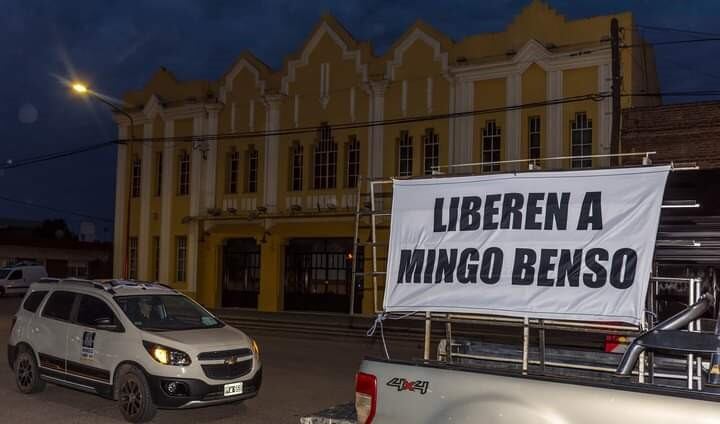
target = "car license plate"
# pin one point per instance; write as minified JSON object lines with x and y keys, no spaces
{"x":233,"y":389}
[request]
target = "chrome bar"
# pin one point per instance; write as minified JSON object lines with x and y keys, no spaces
{"x":428,"y":328}
{"x":500,"y":162}
{"x":526,"y":344}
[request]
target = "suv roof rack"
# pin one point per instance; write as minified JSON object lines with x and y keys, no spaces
{"x":111,"y":284}
{"x":94,"y":284}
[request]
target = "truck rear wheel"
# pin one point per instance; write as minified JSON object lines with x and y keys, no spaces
{"x":136,"y":403}
{"x":27,"y":373}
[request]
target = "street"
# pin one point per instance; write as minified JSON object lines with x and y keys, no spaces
{"x":300,"y":376}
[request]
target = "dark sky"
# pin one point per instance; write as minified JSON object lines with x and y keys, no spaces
{"x":117,"y":44}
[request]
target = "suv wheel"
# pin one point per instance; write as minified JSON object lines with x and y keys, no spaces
{"x":27,"y":374}
{"x":136,"y":403}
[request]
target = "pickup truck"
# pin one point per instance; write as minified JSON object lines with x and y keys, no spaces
{"x":394,"y":391}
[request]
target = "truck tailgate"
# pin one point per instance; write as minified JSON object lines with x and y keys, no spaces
{"x":416,"y":393}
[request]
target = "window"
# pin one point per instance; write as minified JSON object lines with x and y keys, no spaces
{"x":59,"y":305}
{"x":34,"y":300}
{"x":136,"y":168}
{"x":405,"y":154}
{"x":156,"y":262}
{"x":581,"y":140}
{"x":78,"y":269}
{"x":233,"y":164}
{"x":252,"y":170}
{"x":184,"y":174}
{"x":325,"y":159}
{"x":93,"y":312}
{"x":296,"y":171}
{"x":166,"y":313}
{"x":431,"y":146}
{"x":534,"y":137}
{"x":353,"y":162}
{"x":133,"y":258}
{"x":16,"y":275}
{"x":158,"y":173}
{"x":181,"y":257}
{"x":491,"y":146}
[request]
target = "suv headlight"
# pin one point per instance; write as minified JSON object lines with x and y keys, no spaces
{"x":166,"y":355}
{"x":255,"y":348}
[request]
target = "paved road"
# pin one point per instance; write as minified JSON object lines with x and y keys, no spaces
{"x":300,"y":375}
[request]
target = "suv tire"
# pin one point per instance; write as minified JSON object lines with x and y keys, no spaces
{"x":27,"y":373}
{"x":136,"y":403}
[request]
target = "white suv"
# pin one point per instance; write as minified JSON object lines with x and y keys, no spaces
{"x":143,"y":344}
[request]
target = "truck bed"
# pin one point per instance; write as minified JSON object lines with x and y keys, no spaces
{"x":436,"y":392}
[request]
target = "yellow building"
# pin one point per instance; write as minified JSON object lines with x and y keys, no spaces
{"x":244,"y":190}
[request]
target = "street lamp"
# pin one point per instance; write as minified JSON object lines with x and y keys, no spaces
{"x":82,"y":89}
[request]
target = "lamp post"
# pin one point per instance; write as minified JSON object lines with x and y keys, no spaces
{"x":82,"y":89}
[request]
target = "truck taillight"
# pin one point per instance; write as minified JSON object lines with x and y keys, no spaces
{"x":365,"y":397}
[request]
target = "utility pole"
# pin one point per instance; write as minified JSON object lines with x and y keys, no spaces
{"x":616,"y":82}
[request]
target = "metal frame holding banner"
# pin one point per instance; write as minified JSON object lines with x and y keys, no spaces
{"x":374,"y":212}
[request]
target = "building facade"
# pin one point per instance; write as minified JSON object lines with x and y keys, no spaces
{"x":241,"y":191}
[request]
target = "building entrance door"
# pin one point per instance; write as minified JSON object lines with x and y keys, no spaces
{"x":240,"y":273}
{"x":318,"y":275}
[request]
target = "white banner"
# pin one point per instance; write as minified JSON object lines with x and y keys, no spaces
{"x":575,"y":245}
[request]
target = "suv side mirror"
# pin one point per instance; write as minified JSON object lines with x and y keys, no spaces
{"x":106,"y":323}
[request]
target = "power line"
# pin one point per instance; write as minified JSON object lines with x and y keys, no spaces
{"x":680,"y":30}
{"x":56,"y":155}
{"x":671,"y":43}
{"x":691,"y":68}
{"x":50,"y":208}
{"x":699,"y":93}
{"x":346,"y":126}
{"x":370,"y":124}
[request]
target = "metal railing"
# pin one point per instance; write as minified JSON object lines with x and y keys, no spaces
{"x":376,"y":211}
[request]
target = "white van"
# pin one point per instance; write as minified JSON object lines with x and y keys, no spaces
{"x":17,"y":278}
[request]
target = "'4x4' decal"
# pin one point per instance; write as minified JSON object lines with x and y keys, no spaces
{"x":402,"y":384}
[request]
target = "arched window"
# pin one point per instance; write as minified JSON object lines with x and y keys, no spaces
{"x":431,"y":151}
{"x":491,"y":138}
{"x":136,"y":180}
{"x":405,"y":154}
{"x":325,"y":159}
{"x":581,"y":140}
{"x":183,"y":188}
{"x":232,"y":168}
{"x":296,"y":167}
{"x":353,"y":162}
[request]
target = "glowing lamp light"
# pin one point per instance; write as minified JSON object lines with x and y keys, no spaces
{"x":161,"y":355}
{"x":80,"y":88}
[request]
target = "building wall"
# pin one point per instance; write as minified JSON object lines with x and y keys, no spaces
{"x":336,"y":80}
{"x":680,"y":133}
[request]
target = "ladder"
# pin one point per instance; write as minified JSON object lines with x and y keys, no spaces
{"x":372,"y":213}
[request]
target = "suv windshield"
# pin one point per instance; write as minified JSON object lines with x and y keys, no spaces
{"x":4,"y":273}
{"x":166,"y":313}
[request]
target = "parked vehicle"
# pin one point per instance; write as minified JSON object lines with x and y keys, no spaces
{"x":491,"y":383}
{"x":143,"y":344}
{"x":17,"y":278}
{"x":669,"y":372}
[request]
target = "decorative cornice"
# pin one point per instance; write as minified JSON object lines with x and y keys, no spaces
{"x":416,"y":35}
{"x":241,"y":64}
{"x":531,"y":52}
{"x":323,"y":29}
